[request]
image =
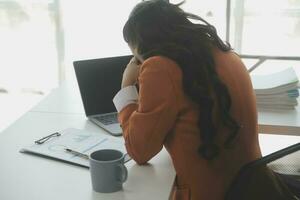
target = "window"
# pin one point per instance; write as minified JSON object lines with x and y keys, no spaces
{"x":213,"y":11}
{"x":94,"y":29}
{"x":28,"y":45}
{"x":266,"y":27}
{"x":255,"y":28}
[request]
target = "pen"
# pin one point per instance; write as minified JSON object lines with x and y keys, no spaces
{"x":77,"y":153}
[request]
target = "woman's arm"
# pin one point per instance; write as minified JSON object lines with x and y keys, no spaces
{"x":146,"y":124}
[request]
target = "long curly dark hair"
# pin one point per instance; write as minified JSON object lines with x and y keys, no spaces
{"x":156,"y":27}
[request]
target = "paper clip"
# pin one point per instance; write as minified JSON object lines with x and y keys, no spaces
{"x":44,"y":139}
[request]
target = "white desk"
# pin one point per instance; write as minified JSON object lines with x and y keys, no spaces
{"x":24,"y":176}
{"x":30,"y":177}
{"x":66,"y":99}
{"x":283,"y":122}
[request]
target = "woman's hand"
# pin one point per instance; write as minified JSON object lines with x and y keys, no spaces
{"x":131,"y":73}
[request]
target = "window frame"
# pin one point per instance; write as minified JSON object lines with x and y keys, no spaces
{"x":261,"y":58}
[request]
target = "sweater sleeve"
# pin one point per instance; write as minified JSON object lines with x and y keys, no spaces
{"x":146,"y":124}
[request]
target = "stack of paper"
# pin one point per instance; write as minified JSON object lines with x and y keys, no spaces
{"x":277,"y":91}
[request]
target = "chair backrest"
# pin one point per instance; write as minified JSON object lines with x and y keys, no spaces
{"x":274,"y":176}
{"x":288,"y":168}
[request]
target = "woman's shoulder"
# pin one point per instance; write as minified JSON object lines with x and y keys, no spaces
{"x":160,"y":62}
{"x":229,"y":62}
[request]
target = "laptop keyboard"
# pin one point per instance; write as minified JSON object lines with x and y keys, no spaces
{"x":108,"y":119}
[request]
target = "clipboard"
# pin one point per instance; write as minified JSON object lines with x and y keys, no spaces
{"x":54,"y":145}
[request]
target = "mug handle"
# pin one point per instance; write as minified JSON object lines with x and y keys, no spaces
{"x":124,"y":173}
{"x":126,"y":158}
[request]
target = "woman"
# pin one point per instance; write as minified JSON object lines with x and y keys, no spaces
{"x":195,"y":98}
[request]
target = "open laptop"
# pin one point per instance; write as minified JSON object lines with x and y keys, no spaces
{"x":99,"y":80}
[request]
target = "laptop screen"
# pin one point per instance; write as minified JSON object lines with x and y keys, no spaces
{"x":99,"y":80}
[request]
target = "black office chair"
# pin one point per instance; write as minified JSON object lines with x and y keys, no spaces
{"x":272,"y":177}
